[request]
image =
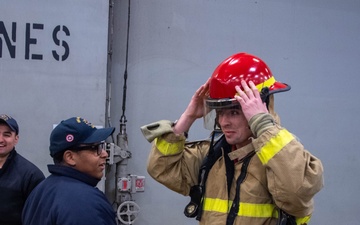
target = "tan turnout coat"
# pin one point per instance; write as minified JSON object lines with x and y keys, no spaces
{"x":282,"y":174}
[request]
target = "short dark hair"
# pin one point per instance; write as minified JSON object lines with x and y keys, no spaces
{"x":58,"y":157}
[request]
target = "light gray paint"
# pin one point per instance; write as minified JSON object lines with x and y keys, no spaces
{"x":41,"y":93}
{"x":174,"y":47}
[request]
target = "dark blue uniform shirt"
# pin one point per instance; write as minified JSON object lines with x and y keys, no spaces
{"x":18,"y":177}
{"x":68,"y":197}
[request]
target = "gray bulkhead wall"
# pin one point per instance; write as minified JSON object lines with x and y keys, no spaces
{"x":311,"y":45}
{"x":53,"y":66}
{"x":174,"y":47}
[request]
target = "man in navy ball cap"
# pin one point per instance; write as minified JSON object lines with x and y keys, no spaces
{"x":69,"y":195}
{"x":18,"y":176}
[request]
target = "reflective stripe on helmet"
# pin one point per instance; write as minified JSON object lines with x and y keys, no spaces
{"x":267,"y":83}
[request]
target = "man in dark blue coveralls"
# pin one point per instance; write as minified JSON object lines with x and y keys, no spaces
{"x":69,"y":195}
{"x":18,"y":176}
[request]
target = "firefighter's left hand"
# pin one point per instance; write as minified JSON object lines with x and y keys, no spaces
{"x":250,"y":100}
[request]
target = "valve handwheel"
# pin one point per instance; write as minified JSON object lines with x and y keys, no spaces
{"x":127,"y":212}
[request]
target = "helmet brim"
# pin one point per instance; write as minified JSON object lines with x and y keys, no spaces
{"x":221,"y":103}
{"x":279,"y":87}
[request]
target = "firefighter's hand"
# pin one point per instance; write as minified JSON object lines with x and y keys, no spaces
{"x":250,"y":100}
{"x":194,"y":110}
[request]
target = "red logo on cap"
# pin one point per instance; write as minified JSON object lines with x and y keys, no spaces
{"x":69,"y":138}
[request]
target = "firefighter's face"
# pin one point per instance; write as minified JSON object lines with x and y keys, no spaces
{"x":234,"y":126}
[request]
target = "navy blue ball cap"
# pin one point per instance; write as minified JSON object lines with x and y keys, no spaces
{"x":11,"y":122}
{"x":76,"y":131}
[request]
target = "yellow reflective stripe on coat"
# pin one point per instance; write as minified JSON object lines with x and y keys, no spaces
{"x":303,"y":220}
{"x":167,"y":148}
{"x":274,"y":145}
{"x":247,"y":209}
{"x":256,"y":210}
{"x":216,"y":204}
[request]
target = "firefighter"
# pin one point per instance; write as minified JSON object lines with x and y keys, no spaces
{"x":256,"y":172}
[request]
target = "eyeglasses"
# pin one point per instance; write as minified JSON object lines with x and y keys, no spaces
{"x":95,"y":147}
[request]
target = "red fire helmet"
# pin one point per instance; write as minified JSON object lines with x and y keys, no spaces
{"x":230,"y":73}
{"x":234,"y":69}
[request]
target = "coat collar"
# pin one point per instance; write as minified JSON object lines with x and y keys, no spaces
{"x":240,"y":153}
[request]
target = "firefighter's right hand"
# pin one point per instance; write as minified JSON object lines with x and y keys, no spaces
{"x":194,"y":110}
{"x":196,"y":106}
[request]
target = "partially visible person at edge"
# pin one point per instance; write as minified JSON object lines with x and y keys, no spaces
{"x":18,"y":176}
{"x":69,"y":195}
{"x":269,"y":171}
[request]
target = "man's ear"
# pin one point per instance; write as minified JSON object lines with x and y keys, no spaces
{"x":69,"y":158}
{"x":16,"y":139}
